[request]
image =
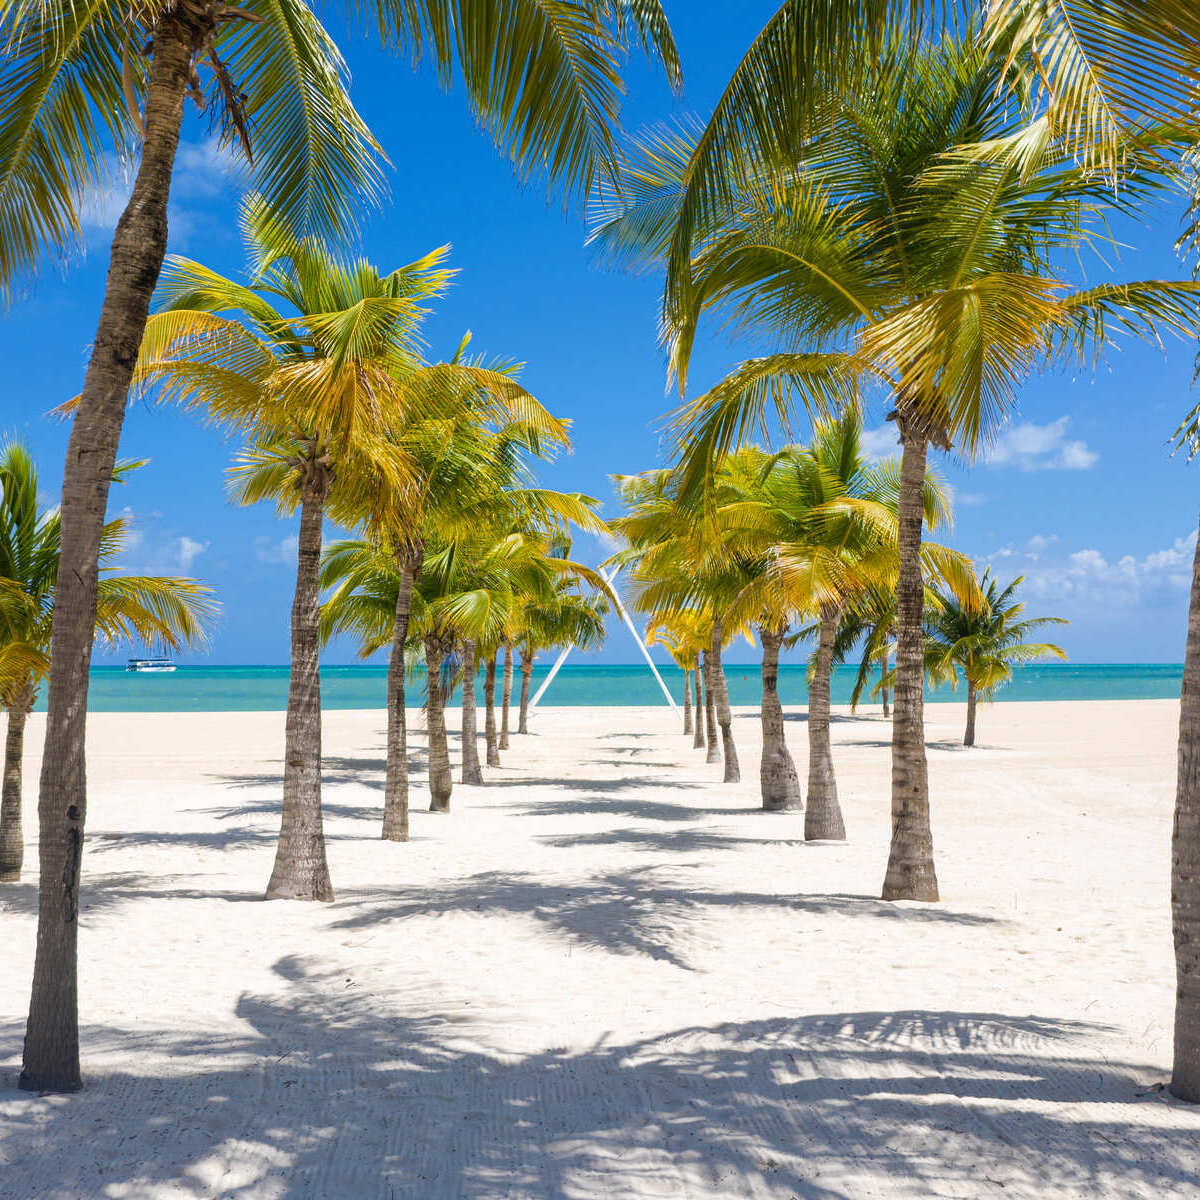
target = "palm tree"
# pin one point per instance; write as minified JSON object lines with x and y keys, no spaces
{"x":80,"y":83}
{"x":684,"y":635}
{"x":983,"y":642}
{"x":140,"y":608}
{"x":915,"y":237}
{"x":826,"y":521}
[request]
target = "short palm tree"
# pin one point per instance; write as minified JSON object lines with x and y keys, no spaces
{"x":78,"y":83}
{"x":130,"y":608}
{"x":684,"y":634}
{"x":983,"y":642}
{"x":916,"y":238}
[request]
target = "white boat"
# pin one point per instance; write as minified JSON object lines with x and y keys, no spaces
{"x":150,"y":664}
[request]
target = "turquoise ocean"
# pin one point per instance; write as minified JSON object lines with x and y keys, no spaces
{"x":264,"y":689}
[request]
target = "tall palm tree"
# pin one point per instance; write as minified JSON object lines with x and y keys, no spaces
{"x":983,"y":642}
{"x":916,"y":237}
{"x":148,"y":609}
{"x":78,"y":83}
{"x":684,"y":634}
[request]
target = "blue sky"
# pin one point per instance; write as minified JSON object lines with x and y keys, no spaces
{"x":1080,"y":493}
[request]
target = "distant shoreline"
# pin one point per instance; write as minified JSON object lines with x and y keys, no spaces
{"x":195,"y":688}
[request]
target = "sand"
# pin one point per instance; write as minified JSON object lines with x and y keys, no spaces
{"x":606,"y":975}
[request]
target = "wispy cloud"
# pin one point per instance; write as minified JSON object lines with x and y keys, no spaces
{"x":1029,"y":447}
{"x":267,"y":550}
{"x":883,"y":442}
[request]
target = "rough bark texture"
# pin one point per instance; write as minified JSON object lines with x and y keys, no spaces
{"x":51,"y":1058}
{"x":471,"y":771}
{"x":395,"y":792}
{"x":713,"y":752}
{"x":733,"y":772}
{"x":884,"y":690}
{"x":1185,"y":865}
{"x":910,"y":873}
{"x":687,"y":702}
{"x":301,"y":871}
{"x":441,"y":783}
{"x":777,"y":773}
{"x":506,"y":698}
{"x":697,"y":687}
{"x":489,"y":715}
{"x":972,"y":700}
{"x":526,"y":686}
{"x":823,"y":818}
{"x":12,"y":832}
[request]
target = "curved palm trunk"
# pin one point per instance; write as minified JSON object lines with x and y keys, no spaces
{"x":526,"y":685}
{"x":733,"y":772}
{"x":823,"y":819}
{"x":12,"y":834}
{"x":441,"y":784}
{"x":301,"y":871}
{"x":471,"y":771}
{"x":51,"y":1058}
{"x":395,"y":792}
{"x":777,"y":773}
{"x":489,"y":715}
{"x":713,"y":753}
{"x":884,"y":690}
{"x":506,"y":698}
{"x":910,"y":872}
{"x":687,"y":701}
{"x":969,"y":735}
{"x":1185,"y":865}
{"x":698,"y":735}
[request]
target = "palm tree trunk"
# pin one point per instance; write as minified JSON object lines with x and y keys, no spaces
{"x":12,"y":833}
{"x":1185,"y":865}
{"x":395,"y":792}
{"x":687,"y":701}
{"x":883,"y":688}
{"x":777,"y":774}
{"x":489,"y":716}
{"x":713,"y":753}
{"x":441,"y":783}
{"x":51,"y":1058}
{"x":910,"y":872}
{"x":698,"y":736}
{"x":506,"y":697}
{"x":733,"y":773}
{"x":969,"y":736}
{"x":823,"y":819}
{"x":526,"y":685}
{"x":301,"y":871}
{"x":471,"y":771}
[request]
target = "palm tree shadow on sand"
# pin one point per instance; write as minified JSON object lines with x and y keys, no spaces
{"x":332,"y":1091}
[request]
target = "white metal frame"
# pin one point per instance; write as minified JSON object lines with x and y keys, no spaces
{"x":608,"y":577}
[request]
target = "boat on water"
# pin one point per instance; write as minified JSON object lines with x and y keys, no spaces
{"x":150,"y":664}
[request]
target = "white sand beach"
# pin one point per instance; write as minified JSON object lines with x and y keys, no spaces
{"x":607,"y":975}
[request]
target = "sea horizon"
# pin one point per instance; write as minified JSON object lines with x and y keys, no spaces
{"x":263,"y":687}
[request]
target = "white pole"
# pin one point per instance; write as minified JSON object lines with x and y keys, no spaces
{"x":608,"y":577}
{"x":558,"y":662}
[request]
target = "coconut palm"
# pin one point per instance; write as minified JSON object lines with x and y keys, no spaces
{"x":907,"y":242}
{"x":130,"y":608}
{"x":982,"y":642}
{"x":80,"y":83}
{"x":826,"y":519}
{"x":684,"y":635}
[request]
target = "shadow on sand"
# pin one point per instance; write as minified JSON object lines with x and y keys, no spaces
{"x":330,"y":1092}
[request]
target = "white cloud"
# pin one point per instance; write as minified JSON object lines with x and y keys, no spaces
{"x":284,"y":551}
{"x":1089,"y":583}
{"x":883,"y":442}
{"x":1030,"y":447}
{"x":188,"y":550}
{"x":969,"y":499}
